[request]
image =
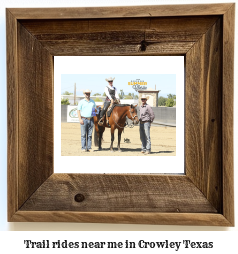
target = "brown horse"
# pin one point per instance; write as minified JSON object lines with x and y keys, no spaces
{"x":117,"y":120}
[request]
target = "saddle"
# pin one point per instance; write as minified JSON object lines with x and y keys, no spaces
{"x":110,"y":109}
{"x":108,"y":112}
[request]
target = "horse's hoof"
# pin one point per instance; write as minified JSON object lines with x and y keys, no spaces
{"x":112,"y":151}
{"x":119,"y":150}
{"x":100,"y":149}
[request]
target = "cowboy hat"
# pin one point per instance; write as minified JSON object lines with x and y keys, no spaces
{"x":144,"y":97}
{"x":86,"y":91}
{"x":109,"y":79}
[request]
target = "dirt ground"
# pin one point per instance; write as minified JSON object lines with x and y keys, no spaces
{"x":163,"y":142}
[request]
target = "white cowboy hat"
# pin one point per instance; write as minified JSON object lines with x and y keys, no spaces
{"x":86,"y":91}
{"x":109,"y":79}
{"x":143,"y":96}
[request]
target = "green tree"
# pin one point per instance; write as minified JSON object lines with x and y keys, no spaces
{"x":174,"y":97}
{"x":67,"y":93}
{"x":104,"y":94}
{"x":171,"y":96}
{"x":96,"y":94}
{"x":65,"y":101}
{"x":97,"y":100}
{"x":128,"y":97}
{"x":134,"y":96}
{"x":162,"y":101}
{"x":121,"y":94}
{"x":170,"y":102}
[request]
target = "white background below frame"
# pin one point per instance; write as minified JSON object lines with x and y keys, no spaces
{"x":120,"y":65}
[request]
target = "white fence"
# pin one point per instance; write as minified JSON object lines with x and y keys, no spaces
{"x":78,"y":98}
{"x":72,"y":115}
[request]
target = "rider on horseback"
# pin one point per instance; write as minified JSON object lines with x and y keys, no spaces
{"x":112,"y":97}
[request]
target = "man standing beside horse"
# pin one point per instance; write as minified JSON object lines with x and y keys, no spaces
{"x":112,"y":97}
{"x":86,"y":109}
{"x":146,"y":118}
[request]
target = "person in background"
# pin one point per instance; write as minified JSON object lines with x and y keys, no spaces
{"x":112,"y":97}
{"x":86,"y":107}
{"x":146,"y":118}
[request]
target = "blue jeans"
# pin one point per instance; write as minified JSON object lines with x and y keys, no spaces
{"x":86,"y":133}
{"x":145,"y":136}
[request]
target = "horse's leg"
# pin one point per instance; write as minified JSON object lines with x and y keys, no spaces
{"x":119,"y":139}
{"x":112,"y":139}
{"x":97,"y":133}
{"x":100,"y":137}
{"x":99,"y":141}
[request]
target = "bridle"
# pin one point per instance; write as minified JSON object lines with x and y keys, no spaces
{"x":132,"y":117}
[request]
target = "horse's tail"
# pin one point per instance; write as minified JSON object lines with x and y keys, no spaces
{"x":96,"y":138}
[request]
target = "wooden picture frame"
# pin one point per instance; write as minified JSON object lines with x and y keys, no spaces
{"x":204,"y":34}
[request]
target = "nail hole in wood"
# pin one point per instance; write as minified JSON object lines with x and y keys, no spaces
{"x":79,"y":198}
{"x":213,"y":120}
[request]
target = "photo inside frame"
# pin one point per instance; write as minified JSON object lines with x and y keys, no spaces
{"x":160,"y":79}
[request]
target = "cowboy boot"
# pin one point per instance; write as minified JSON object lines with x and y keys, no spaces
{"x":102,"y":117}
{"x":101,"y":121}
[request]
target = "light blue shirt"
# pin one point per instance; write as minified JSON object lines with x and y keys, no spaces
{"x":86,"y":107}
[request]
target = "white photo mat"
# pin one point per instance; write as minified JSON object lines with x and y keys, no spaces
{"x":120,"y":65}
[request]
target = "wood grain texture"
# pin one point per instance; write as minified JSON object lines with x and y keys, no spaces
{"x":189,"y":26}
{"x":119,"y":36}
{"x":227,"y":113}
{"x":192,"y":219}
{"x":71,"y":48}
{"x":12,"y":114}
{"x":203,"y":121}
{"x":204,"y":196}
{"x":35,"y":138}
{"x":114,"y":193}
{"x":120,"y":12}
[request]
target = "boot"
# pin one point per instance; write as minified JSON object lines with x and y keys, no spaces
{"x":102,"y":116}
{"x":101,"y":121}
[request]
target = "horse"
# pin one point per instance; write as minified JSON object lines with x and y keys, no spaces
{"x":117,"y":120}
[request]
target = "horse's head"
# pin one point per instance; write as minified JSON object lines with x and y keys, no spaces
{"x":133,"y":114}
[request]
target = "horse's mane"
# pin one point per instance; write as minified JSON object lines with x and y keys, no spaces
{"x":122,"y":105}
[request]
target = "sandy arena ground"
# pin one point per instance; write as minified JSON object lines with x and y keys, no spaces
{"x":163,"y":142}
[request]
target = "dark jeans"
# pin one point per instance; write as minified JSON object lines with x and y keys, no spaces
{"x":105,"y":107}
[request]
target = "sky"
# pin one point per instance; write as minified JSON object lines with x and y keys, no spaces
{"x":166,"y":83}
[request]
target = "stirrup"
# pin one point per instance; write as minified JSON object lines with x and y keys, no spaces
{"x":101,"y":121}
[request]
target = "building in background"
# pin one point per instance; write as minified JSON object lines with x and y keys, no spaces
{"x":152,"y":95}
